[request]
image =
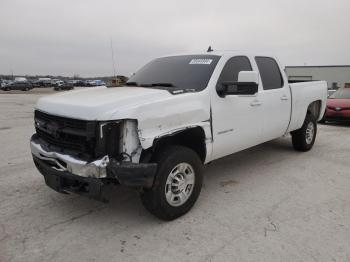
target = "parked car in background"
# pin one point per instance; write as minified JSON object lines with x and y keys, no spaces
{"x":82,"y":83}
{"x":95,"y":83}
{"x":99,"y":83}
{"x":36,"y":83}
{"x":5,"y":83}
{"x":90,"y":83}
{"x":79,"y":83}
{"x":20,"y":79}
{"x":58,"y":83}
{"x":22,"y":85}
{"x":64,"y":86}
{"x":54,"y":82}
{"x":338,"y":106}
{"x":44,"y":82}
{"x":331,"y":92}
{"x":72,"y":82}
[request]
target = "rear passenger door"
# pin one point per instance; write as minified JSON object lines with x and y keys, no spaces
{"x":276,"y":98}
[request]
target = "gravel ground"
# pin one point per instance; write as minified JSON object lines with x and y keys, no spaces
{"x":268,"y":203}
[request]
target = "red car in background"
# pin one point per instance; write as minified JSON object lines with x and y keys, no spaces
{"x":338,"y":106}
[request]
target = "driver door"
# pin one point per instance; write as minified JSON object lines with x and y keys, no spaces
{"x":237,"y":120}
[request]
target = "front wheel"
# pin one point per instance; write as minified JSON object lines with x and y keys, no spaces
{"x":303,"y":139}
{"x":177,"y":184}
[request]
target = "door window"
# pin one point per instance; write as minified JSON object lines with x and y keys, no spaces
{"x":230,"y":72}
{"x":269,"y":72}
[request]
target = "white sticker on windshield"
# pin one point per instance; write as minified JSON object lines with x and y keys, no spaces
{"x":201,"y":61}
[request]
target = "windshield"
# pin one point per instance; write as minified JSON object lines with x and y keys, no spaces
{"x":176,"y":73}
{"x":343,"y":93}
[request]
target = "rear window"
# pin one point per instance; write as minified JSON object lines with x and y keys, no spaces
{"x":269,"y":72}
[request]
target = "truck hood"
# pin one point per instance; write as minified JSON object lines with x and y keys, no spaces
{"x":157,"y":111}
{"x":99,"y":103}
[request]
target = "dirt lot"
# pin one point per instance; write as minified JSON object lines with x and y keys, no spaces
{"x":268,"y":203}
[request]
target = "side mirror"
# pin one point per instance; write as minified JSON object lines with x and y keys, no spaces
{"x":247,"y":84}
{"x":248,"y":77}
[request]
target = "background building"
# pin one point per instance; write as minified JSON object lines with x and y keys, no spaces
{"x":336,"y":76}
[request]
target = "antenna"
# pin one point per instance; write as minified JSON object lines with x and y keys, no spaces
{"x":112,"y":51}
{"x":210,"y":49}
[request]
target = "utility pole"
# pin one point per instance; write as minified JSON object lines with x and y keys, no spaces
{"x":112,"y":51}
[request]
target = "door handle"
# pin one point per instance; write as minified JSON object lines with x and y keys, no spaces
{"x":256,"y":103}
{"x":284,"y":98}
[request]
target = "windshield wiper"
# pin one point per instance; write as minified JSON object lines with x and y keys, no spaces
{"x":163,"y":84}
{"x":132,"y":84}
{"x":160,"y":84}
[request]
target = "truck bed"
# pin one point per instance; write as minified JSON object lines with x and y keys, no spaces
{"x":303,"y":94}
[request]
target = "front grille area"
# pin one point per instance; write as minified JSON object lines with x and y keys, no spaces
{"x":64,"y":133}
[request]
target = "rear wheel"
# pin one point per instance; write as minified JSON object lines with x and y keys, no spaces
{"x":323,"y":120}
{"x":303,"y":139}
{"x":177,"y":183}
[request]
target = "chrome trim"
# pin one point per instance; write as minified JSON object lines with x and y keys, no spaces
{"x":96,"y":169}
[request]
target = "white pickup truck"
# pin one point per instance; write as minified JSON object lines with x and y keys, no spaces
{"x":174,"y":115}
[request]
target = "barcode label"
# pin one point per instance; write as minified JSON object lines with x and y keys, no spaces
{"x":201,"y":61}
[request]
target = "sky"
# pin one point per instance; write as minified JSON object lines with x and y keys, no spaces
{"x":73,"y":37}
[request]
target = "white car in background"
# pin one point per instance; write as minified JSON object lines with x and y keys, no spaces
{"x":95,"y":83}
{"x":20,"y":79}
{"x":58,"y":83}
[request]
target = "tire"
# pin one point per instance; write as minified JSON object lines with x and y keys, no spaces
{"x":171,"y":161}
{"x":303,"y":139}
{"x":323,"y":119}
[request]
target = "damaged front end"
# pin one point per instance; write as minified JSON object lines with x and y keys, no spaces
{"x":86,"y":156}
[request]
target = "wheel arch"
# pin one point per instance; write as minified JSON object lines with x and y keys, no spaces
{"x":315,"y":109}
{"x":192,"y":137}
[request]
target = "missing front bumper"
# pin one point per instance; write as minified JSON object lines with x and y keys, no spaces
{"x":65,"y":182}
{"x":64,"y":173}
